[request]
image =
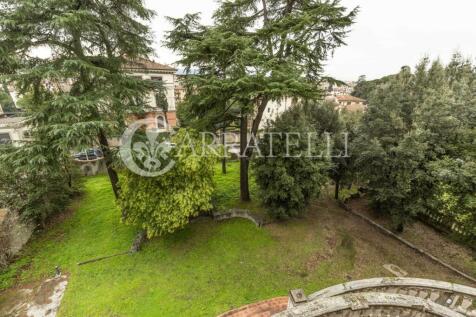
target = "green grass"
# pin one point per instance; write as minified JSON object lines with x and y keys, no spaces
{"x":203,"y":270}
{"x":228,"y":190}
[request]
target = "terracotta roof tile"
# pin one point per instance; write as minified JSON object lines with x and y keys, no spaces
{"x":262,"y":309}
{"x":149,"y":65}
{"x":349,"y":98}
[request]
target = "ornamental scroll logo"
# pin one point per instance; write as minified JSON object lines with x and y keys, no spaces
{"x":144,"y":153}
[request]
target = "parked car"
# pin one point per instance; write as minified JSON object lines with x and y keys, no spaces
{"x":88,"y":155}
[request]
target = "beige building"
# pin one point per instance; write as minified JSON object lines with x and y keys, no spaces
{"x":339,"y":90}
{"x":149,"y":70}
{"x":274,"y":109}
{"x":348,"y":103}
{"x":13,"y":130}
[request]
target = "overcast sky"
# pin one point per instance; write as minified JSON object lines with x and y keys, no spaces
{"x":387,"y":34}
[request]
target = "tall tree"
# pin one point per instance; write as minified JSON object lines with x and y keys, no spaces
{"x":417,"y":143}
{"x":289,"y":171}
{"x":258,"y":51}
{"x":79,"y":93}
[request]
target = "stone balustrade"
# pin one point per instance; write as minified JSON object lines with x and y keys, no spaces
{"x":370,"y":304}
{"x":378,"y":297}
{"x":459,"y":298}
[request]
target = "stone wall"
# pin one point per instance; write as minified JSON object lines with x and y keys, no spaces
{"x":370,"y":304}
{"x":91,"y":168}
{"x":387,"y":297}
{"x":238,"y":213}
{"x":14,"y":234}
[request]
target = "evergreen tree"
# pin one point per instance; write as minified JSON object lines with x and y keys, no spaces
{"x":79,"y":95}
{"x":288,"y":169}
{"x":418,"y":130}
{"x":338,"y":130}
{"x":257,"y":51}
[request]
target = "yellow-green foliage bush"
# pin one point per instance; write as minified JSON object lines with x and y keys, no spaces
{"x":165,"y":203}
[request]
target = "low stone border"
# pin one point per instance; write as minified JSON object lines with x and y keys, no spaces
{"x":369,"y":304}
{"x":232,"y":214}
{"x":238,"y":213}
{"x":407,"y":243}
{"x":217,"y":216}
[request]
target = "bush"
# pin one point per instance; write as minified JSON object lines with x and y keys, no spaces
{"x":454,"y":200}
{"x":288,"y":183}
{"x":35,"y":189}
{"x":165,"y":203}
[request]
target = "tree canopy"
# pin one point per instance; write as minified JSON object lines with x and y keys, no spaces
{"x":256,"y":51}
{"x":417,"y":143}
{"x":78,"y":94}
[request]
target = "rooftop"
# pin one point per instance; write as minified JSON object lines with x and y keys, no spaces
{"x":143,"y":64}
{"x":349,"y":98}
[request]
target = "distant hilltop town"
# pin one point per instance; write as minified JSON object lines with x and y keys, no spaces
{"x":339,"y":90}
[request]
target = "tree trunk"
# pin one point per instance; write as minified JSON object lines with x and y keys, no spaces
{"x":109,"y":161}
{"x":245,"y":154}
{"x":244,"y":186}
{"x":336,"y":195}
{"x":259,"y":115}
{"x":223,"y":160}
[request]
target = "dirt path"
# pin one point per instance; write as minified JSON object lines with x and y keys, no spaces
{"x":35,"y":300}
{"x":374,"y":249}
{"x":426,"y":238}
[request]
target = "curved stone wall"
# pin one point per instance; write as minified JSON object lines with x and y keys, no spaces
{"x":377,"y":297}
{"x":459,"y":298}
{"x":369,"y":304}
{"x":237,"y":213}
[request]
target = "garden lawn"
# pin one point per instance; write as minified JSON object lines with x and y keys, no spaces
{"x":228,"y":190}
{"x":207,"y":268}
{"x":202,"y":270}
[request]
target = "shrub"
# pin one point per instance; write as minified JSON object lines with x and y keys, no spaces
{"x":165,"y":203}
{"x":454,"y":200}
{"x":288,"y":183}
{"x":35,"y":189}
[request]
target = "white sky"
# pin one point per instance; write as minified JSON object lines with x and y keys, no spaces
{"x":387,"y":34}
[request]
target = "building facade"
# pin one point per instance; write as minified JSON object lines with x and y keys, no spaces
{"x":348,"y":103}
{"x":274,"y":109}
{"x":13,"y":130}
{"x":339,"y":90}
{"x":159,"y":118}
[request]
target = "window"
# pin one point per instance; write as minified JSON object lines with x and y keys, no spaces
{"x":5,"y":138}
{"x":161,"y":123}
{"x":156,"y":78}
